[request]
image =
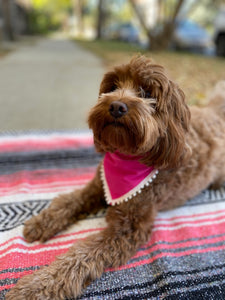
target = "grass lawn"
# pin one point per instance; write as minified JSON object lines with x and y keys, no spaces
{"x":196,"y":74}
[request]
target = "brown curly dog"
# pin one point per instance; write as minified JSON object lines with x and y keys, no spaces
{"x":158,"y":154}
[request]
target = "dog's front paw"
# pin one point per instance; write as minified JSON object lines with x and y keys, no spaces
{"x":41,"y":227}
{"x":33,"y":230}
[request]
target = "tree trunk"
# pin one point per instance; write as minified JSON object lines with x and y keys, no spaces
{"x":7,"y":20}
{"x":140,"y":17}
{"x":100,"y":19}
{"x":78,"y":9}
{"x":161,"y":40}
{"x":177,"y":10}
{"x":1,"y":36}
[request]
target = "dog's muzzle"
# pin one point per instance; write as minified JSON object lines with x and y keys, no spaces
{"x":118,"y":109}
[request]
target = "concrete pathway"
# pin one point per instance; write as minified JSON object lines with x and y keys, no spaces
{"x":50,"y":84}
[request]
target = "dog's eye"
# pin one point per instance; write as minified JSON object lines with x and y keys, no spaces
{"x":113,"y":88}
{"x":145,"y":93}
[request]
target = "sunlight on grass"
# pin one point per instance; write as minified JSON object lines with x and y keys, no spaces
{"x":111,"y":52}
{"x":196,"y":74}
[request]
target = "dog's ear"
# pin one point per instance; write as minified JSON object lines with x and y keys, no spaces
{"x":108,"y":83}
{"x":173,"y":117}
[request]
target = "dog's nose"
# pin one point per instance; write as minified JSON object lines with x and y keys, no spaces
{"x":118,"y":109}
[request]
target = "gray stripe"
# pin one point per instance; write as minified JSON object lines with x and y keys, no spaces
{"x":149,"y":272}
{"x":82,"y":158}
{"x":207,"y":196}
{"x":177,"y":250}
{"x":12,"y":270}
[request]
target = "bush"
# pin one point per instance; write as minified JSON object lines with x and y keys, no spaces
{"x":40,"y":22}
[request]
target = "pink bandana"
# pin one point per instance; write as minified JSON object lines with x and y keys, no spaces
{"x":124,"y":176}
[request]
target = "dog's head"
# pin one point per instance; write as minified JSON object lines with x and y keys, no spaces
{"x":141,"y":112}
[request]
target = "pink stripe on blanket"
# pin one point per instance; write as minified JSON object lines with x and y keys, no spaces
{"x":46,"y":253}
{"x":43,"y":261}
{"x":27,"y":143}
{"x":46,"y":176}
{"x":42,"y":180}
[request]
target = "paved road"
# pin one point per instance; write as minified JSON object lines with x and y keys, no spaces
{"x":50,"y":84}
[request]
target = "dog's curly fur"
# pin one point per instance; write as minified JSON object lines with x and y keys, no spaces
{"x":187,"y":145}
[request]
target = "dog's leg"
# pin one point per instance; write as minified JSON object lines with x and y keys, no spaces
{"x":218,"y":183}
{"x":64,"y":211}
{"x":129,"y":227}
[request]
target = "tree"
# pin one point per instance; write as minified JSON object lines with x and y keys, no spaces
{"x":104,"y":14}
{"x":168,"y":12}
{"x":160,"y":38}
{"x":79,"y":12}
{"x":204,"y":12}
{"x":100,"y":19}
{"x":48,"y":15}
{"x":7,"y":20}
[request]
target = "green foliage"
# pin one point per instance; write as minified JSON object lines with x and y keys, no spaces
{"x":41,"y":23}
{"x":52,"y":6}
{"x":47,"y":15}
{"x":125,"y":13}
{"x":204,"y":12}
{"x":119,"y":11}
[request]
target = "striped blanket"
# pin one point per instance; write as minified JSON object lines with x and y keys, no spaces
{"x":184,"y":259}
